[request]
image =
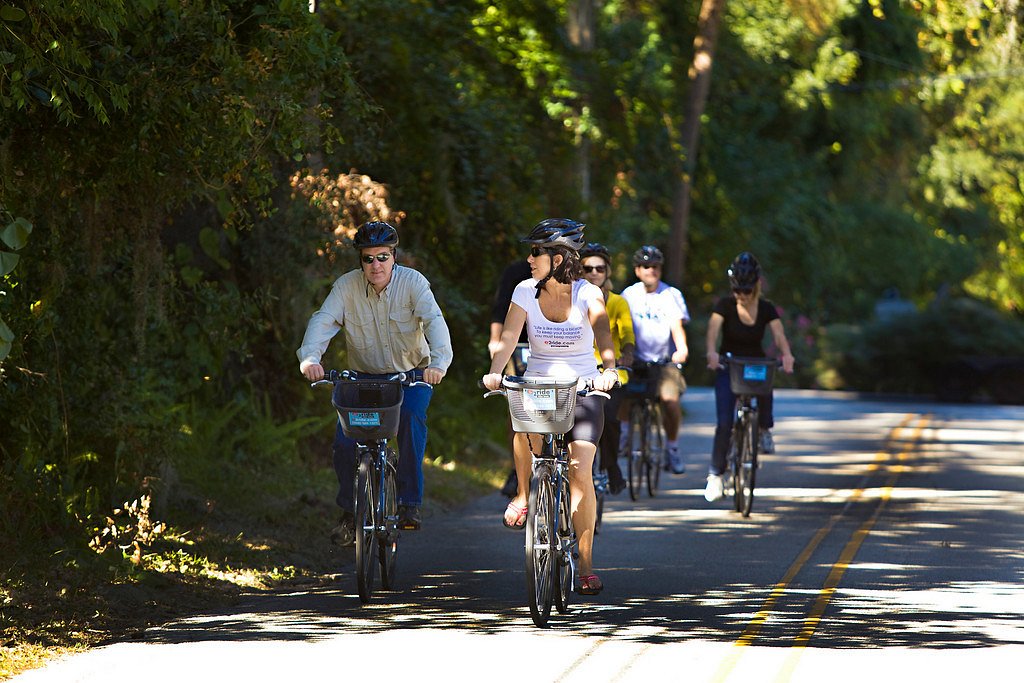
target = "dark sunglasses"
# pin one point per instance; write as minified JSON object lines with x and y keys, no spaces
{"x":742,"y":290}
{"x":594,"y":269}
{"x":382,"y":257}
{"x":651,"y":265}
{"x":537,"y":251}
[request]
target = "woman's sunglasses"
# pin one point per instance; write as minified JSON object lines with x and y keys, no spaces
{"x":742,"y":290}
{"x":595,"y":269}
{"x":537,"y":251}
{"x":382,"y":257}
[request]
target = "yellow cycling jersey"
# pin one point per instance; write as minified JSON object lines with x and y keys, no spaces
{"x":621,"y":322}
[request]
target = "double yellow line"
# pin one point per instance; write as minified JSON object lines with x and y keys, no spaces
{"x":882,"y":459}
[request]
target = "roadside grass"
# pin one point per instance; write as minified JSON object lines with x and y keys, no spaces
{"x":232,"y":525}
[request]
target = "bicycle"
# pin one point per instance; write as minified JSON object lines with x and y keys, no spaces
{"x":748,"y":379}
{"x":646,"y":437}
{"x":369,"y":411}
{"x":546,"y":406}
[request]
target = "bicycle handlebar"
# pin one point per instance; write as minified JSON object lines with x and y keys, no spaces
{"x":410,"y":379}
{"x":723,"y":360}
{"x":587,"y":390}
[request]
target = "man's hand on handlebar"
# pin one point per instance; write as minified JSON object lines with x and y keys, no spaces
{"x":433,"y":375}
{"x":314,"y":372}
{"x":492,"y":381}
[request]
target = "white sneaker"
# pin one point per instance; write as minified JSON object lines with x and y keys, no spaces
{"x":767,"y":442}
{"x":714,"y":490}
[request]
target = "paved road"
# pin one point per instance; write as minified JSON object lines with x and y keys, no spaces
{"x":887,"y":540}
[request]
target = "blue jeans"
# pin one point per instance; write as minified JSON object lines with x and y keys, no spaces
{"x":412,"y":444}
{"x":725,"y":410}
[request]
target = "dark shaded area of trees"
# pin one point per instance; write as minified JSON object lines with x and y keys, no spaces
{"x":159,"y":262}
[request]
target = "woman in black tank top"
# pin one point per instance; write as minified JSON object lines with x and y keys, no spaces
{"x":741,"y":321}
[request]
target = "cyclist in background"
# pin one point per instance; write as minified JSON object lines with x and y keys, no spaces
{"x":564,"y":317}
{"x":513,"y":274}
{"x":392,"y":324}
{"x":741,"y":321}
{"x":659,"y":313}
{"x":597,"y":270}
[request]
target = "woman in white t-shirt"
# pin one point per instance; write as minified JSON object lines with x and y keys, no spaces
{"x":564,"y":316}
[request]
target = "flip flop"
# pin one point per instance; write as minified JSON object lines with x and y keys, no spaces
{"x":590,"y":585}
{"x":520,"y":519}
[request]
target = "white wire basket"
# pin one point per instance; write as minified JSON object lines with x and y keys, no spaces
{"x":541,"y":405}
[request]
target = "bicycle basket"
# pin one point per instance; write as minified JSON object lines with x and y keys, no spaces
{"x":541,"y":405}
{"x":368,"y":409}
{"x":645,"y":381}
{"x":751,"y":375}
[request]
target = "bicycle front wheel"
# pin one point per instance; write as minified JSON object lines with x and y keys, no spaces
{"x":655,"y":451}
{"x":566,"y":544}
{"x":366,"y":547}
{"x":540,"y":545}
{"x":388,"y":541}
{"x":736,"y":445}
{"x":747,"y":469}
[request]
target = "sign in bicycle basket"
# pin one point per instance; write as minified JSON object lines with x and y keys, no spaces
{"x":541,"y":405}
{"x":368,"y":409}
{"x":751,"y":375}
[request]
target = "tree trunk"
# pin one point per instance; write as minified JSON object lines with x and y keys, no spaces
{"x":581,"y":28}
{"x":697,"y":97}
{"x":315,"y":157}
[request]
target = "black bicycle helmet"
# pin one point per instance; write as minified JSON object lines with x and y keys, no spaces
{"x":648,"y":255}
{"x":595,"y":249}
{"x":557,"y":232}
{"x":375,"y":234}
{"x":745,"y":271}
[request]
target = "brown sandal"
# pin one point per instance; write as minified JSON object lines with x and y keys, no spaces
{"x":590,"y":585}
{"x":520,"y":517}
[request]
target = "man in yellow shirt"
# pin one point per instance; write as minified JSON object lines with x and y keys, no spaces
{"x":597,"y":270}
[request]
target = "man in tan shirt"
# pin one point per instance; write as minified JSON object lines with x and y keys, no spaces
{"x":392,"y":324}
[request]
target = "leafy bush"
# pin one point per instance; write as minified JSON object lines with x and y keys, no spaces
{"x":921,"y":352}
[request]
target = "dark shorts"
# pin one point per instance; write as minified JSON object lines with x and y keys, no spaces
{"x":589,"y":419}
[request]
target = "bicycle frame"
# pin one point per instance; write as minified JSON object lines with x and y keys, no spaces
{"x":554,"y":454}
{"x":376,"y":454}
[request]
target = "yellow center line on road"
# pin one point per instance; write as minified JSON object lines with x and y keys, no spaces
{"x":754,"y":627}
{"x":846,"y":557}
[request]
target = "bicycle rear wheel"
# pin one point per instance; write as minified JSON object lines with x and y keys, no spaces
{"x":540,"y":540}
{"x":388,"y":541}
{"x":566,"y":544}
{"x":747,"y":468}
{"x":366,"y":547}
{"x":635,"y":473}
{"x":655,"y":451}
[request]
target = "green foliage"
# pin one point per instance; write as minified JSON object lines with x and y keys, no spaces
{"x":915,"y":353}
{"x":14,"y":235}
{"x":150,"y":324}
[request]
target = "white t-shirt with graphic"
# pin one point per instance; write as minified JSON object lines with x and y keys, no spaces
{"x":566,"y":349}
{"x":653,"y":314}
